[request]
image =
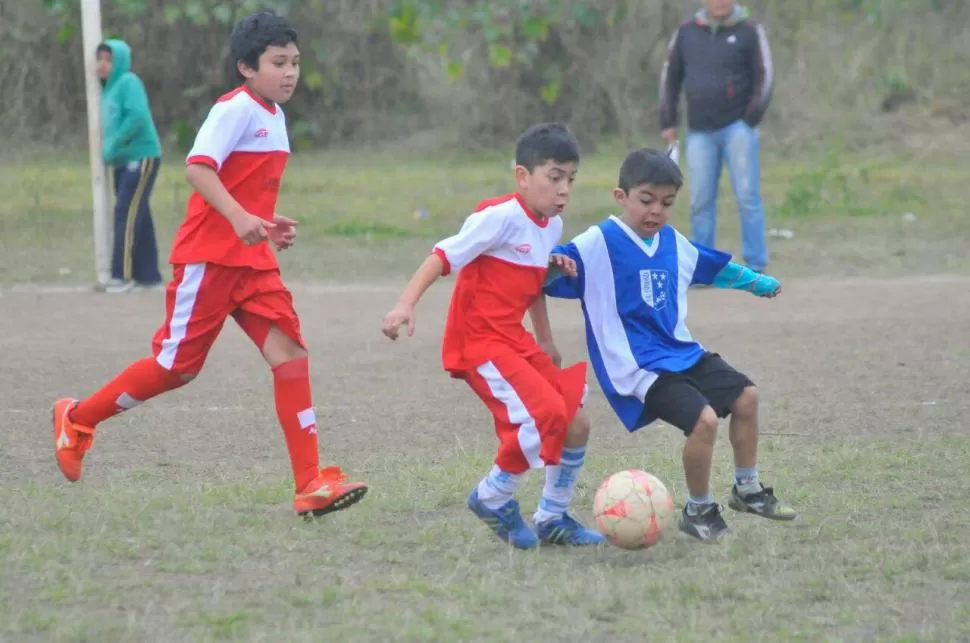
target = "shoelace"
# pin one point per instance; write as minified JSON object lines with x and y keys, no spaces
{"x":766,"y":494}
{"x":82,"y":439}
{"x":510,"y":516}
{"x":333,"y":475}
{"x":570,"y":522}
{"x":571,"y":529}
{"x":714,"y":509}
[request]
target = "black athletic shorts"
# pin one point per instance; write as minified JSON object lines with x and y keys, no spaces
{"x":680,"y":398}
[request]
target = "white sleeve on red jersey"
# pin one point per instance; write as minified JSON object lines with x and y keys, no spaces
{"x":481,"y":232}
{"x":220,"y":133}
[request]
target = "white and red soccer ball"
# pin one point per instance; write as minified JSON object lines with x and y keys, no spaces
{"x":632,"y":509}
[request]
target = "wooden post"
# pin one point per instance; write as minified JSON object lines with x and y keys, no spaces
{"x":91,"y":37}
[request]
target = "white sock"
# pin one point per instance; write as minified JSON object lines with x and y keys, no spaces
{"x":560,"y":485}
{"x":746,"y":480}
{"x":498,"y":487}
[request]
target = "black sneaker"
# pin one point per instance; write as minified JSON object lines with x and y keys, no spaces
{"x":761,"y":503}
{"x":706,"y":525}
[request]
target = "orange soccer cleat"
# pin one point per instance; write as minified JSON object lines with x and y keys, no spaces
{"x":328,"y":492}
{"x":71,"y":440}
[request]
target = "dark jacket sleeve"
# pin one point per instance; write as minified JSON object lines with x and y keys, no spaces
{"x":763,"y":78}
{"x":671,"y":79}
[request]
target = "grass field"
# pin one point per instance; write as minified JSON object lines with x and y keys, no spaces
{"x":181,"y":529}
{"x":357,"y":210}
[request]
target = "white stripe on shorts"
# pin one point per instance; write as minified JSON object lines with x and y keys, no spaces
{"x":185,"y":296}
{"x":529,"y":440}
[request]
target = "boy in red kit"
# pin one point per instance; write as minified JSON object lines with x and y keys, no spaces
{"x":503,"y":251}
{"x":223,"y":266}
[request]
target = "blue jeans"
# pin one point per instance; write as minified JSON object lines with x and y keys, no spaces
{"x":737,"y":145}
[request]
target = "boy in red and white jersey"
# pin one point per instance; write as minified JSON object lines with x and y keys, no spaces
{"x":503,"y":253}
{"x":223,"y":266}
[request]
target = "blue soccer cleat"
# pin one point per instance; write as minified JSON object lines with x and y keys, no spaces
{"x":569,"y":531}
{"x":505,"y":522}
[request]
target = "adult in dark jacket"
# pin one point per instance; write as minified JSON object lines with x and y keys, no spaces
{"x":722,"y":62}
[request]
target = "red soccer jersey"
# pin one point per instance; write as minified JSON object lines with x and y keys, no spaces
{"x":502,"y":252}
{"x":244,"y":140}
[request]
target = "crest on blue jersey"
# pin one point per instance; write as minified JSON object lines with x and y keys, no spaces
{"x":654,"y":289}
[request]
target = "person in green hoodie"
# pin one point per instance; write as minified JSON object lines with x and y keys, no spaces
{"x":131,"y":147}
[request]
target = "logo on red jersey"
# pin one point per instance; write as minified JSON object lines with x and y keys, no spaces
{"x":262,"y":132}
{"x":524,"y":248}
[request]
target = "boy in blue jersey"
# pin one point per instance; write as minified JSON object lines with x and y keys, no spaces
{"x":632,"y":276}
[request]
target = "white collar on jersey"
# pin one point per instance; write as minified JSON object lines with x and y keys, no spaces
{"x":650,"y":250}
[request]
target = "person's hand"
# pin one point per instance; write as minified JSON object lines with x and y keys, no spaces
{"x":401,"y":315}
{"x":562,"y":263}
{"x":773,"y":294}
{"x":251,"y":229}
{"x":767,"y":287}
{"x":283,"y":235}
{"x":669,"y":134}
{"x":549,"y":348}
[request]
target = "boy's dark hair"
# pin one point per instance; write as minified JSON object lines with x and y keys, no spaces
{"x":252,"y":36}
{"x":651,"y":166}
{"x":546,"y":142}
{"x":103,"y":48}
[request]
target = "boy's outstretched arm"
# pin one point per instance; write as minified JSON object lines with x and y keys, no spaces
{"x":565,"y":278}
{"x":714,"y":267}
{"x":738,"y":277}
{"x":480,"y":232}
{"x":403,"y":311}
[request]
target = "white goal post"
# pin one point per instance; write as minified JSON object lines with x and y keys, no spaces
{"x":91,"y":37}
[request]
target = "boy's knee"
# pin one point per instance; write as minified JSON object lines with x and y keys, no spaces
{"x":170,"y":379}
{"x":747,"y":403}
{"x":552,"y":417}
{"x":577,"y":434}
{"x":177,"y":379}
{"x":706,"y":427}
{"x":297,"y":368}
{"x":294,"y":352}
{"x":280,"y":348}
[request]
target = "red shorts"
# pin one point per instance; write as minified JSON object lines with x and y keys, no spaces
{"x":533,"y":402}
{"x":199,"y":299}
